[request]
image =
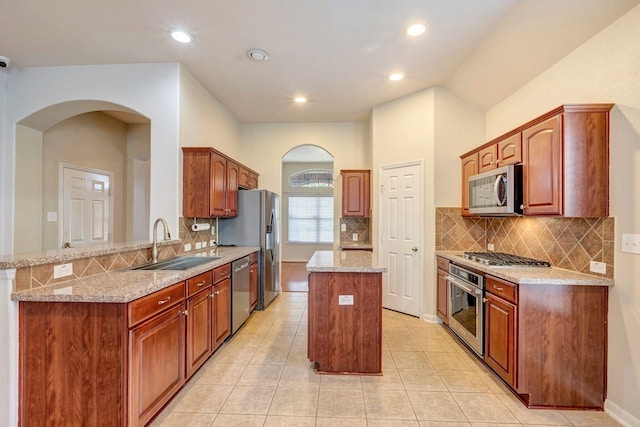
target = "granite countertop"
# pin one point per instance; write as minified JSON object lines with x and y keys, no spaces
{"x":123,"y":286}
{"x":355,"y":245}
{"x":531,"y":275}
{"x":344,"y":262}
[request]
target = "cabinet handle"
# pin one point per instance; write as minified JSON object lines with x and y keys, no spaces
{"x":201,"y":283}
{"x":497,"y":288}
{"x":185,"y":312}
{"x":217,"y":293}
{"x":164,"y":301}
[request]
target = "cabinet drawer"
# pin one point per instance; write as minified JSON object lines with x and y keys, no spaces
{"x":506,"y":290}
{"x":443,"y":263}
{"x":146,"y":307}
{"x":199,"y":282}
{"x":253,"y":257}
{"x":221,"y":272}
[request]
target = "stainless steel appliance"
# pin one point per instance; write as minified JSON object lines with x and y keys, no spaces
{"x":466,"y":306}
{"x":240,"y":305}
{"x":496,"y":192}
{"x":257,"y":225}
{"x":501,"y":259}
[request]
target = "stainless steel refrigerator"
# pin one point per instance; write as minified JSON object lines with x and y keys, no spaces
{"x":257,"y":225}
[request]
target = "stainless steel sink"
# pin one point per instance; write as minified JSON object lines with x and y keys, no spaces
{"x":177,"y":263}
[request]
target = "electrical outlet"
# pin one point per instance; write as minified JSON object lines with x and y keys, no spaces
{"x":345,"y":299}
{"x":62,"y":270}
{"x":631,"y":243}
{"x":204,"y":244}
{"x":343,"y":227}
{"x":598,"y":267}
{"x":489,"y":246}
{"x":212,"y":242}
{"x":213,"y":230}
{"x":198,"y":245}
{"x":187,"y":247}
{"x":354,"y":237}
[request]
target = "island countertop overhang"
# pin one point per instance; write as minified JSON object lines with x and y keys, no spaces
{"x":344,"y":262}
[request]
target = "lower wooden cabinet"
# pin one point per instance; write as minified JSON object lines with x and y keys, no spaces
{"x":156,"y":367}
{"x":500,"y":337}
{"x":118,"y":364}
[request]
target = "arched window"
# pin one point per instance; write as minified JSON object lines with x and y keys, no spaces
{"x":312,"y":178}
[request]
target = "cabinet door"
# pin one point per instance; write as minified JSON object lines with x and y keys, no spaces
{"x":156,"y":363}
{"x":231,"y":194}
{"x":500,"y":337}
{"x":243,"y":177}
{"x":253,"y":180}
{"x":542,"y":168}
{"x":196,"y":173}
{"x":218,"y":199}
{"x":199,"y":335}
{"x":221,"y":311}
{"x":510,"y":150}
{"x":469,"y":167}
{"x":487,"y":158}
{"x":253,"y":285}
{"x":355,"y":194}
{"x":443,"y":297}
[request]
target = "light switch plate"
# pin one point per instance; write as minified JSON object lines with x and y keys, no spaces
{"x":187,"y":247}
{"x":489,"y":246}
{"x":354,"y":237}
{"x":598,"y":267}
{"x":198,"y":245}
{"x":631,"y":243}
{"x":343,"y":227}
{"x":52,"y":216}
{"x":345,"y":299}
{"x":62,"y":270}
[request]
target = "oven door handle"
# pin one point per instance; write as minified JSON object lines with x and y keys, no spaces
{"x":464,"y":286}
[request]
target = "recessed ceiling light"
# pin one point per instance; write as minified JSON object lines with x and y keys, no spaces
{"x":181,"y":36}
{"x":300,"y":99}
{"x":396,"y":76}
{"x":257,"y":55}
{"x":416,"y":30}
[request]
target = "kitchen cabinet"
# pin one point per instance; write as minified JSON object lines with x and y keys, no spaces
{"x":442,"y":308}
{"x":566,"y":163}
{"x":253,"y":280}
{"x":469,"y":167}
{"x":129,"y":357}
{"x":221,"y":304}
{"x":487,"y":158}
{"x":356,"y":193}
{"x":247,"y":179}
{"x":210,"y":183}
{"x":199,"y":321}
{"x":500,"y":329}
{"x":509,"y":150}
{"x":548,"y":342}
{"x":345,"y":337}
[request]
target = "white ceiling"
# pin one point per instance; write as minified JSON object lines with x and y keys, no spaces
{"x":336,"y":52}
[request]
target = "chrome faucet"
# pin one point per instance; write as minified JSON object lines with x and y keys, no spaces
{"x":167,"y":236}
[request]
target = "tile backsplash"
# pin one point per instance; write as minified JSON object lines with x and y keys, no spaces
{"x":569,"y":243}
{"x":360,"y":226}
{"x":42,"y":275}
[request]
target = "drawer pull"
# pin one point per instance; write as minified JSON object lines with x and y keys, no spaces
{"x":497,"y":288}
{"x":164,"y":301}
{"x":201,"y":283}
{"x":217,"y":292}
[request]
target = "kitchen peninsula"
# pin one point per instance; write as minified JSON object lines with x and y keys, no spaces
{"x":345,"y":312}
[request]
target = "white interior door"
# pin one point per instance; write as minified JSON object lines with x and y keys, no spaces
{"x":401,"y":219}
{"x":86,"y":204}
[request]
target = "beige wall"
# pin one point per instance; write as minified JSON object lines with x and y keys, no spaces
{"x":434,"y":126}
{"x":300,"y":251}
{"x":138,"y":185}
{"x":604,"y":69}
{"x":28,"y":201}
{"x":264,"y":144}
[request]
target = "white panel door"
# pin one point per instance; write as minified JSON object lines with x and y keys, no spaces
{"x":85,"y":207}
{"x":401,"y":219}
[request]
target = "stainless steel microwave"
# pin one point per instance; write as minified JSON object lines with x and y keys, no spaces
{"x":496,"y":192}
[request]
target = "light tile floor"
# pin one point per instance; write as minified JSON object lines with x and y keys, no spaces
{"x":262,"y":377}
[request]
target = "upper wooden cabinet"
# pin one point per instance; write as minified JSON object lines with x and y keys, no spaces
{"x":356,"y":193}
{"x":469,"y":167}
{"x":565,"y":161}
{"x":211,"y":182}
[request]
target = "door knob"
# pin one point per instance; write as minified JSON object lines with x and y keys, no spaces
{"x":414,"y":249}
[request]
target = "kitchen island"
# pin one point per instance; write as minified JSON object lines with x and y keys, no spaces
{"x":345,"y":312}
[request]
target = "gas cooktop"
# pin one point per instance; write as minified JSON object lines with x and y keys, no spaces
{"x":504,"y":260}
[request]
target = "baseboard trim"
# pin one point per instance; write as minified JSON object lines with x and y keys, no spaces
{"x":620,"y":415}
{"x":431,"y":318}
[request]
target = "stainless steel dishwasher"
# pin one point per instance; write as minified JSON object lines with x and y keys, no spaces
{"x":240,"y":306}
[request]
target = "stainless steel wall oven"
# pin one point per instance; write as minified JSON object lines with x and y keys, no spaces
{"x":466,"y":306}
